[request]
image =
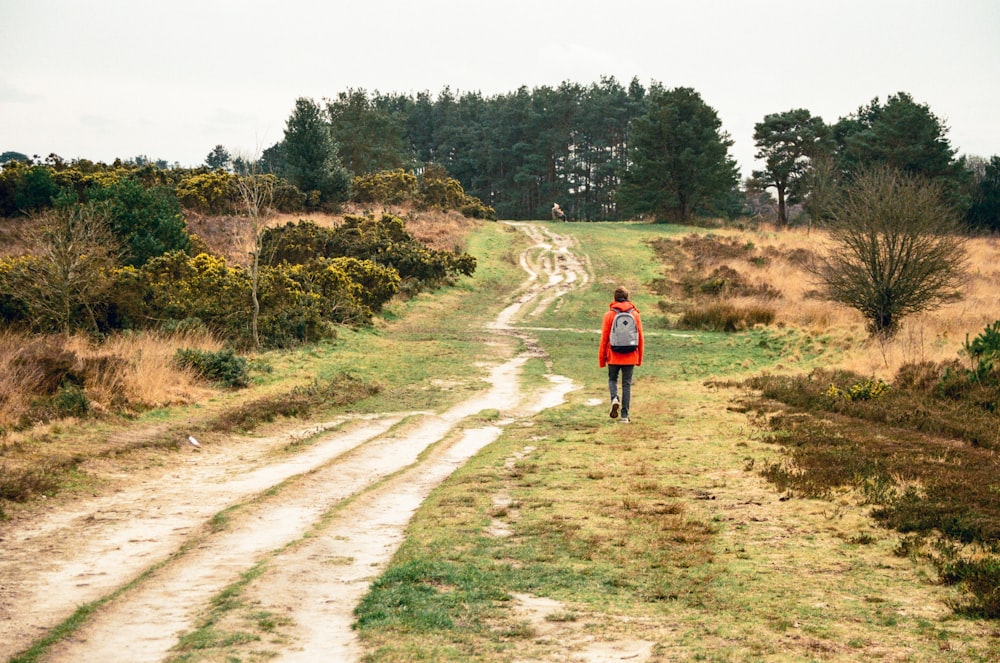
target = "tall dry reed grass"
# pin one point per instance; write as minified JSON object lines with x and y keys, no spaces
{"x":935,"y":336}
{"x":124,"y":373}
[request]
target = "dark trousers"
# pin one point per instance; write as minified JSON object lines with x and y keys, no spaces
{"x":626,"y":371}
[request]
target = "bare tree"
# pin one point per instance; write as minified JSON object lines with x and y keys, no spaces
{"x":256,"y":192}
{"x":896,"y":249}
{"x":69,"y":272}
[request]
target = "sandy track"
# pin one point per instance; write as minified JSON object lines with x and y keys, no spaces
{"x":346,"y":498}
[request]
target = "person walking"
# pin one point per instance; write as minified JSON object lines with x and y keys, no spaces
{"x":621,"y":350}
{"x":557,"y":212}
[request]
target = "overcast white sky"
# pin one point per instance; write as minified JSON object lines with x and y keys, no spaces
{"x":172,"y":79}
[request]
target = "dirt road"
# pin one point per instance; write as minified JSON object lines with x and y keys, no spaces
{"x":305,"y":532}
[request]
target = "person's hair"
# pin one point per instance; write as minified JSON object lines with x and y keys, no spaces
{"x":621,"y":294}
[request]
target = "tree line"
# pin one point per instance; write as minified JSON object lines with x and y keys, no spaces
{"x":607,"y":151}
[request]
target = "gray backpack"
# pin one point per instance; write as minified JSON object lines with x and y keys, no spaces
{"x":624,"y":335}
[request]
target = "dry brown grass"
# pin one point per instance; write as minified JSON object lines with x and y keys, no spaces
{"x":933,"y":336}
{"x":125,"y":373}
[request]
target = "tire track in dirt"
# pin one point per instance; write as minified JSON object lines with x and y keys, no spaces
{"x":289,"y":515}
{"x":95,"y":546}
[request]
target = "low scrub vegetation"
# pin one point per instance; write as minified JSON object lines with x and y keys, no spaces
{"x":914,"y":432}
{"x":921,"y":450}
{"x":224,"y":366}
{"x":725,"y":317}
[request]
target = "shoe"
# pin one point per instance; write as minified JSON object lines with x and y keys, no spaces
{"x":625,"y":420}
{"x":615,"y":406}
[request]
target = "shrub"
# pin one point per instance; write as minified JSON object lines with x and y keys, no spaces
{"x":36,"y":190}
{"x":147,"y":221}
{"x":378,"y":283}
{"x":978,"y":386}
{"x":984,"y":351}
{"x":210,"y":193}
{"x":299,"y":303}
{"x":981,"y":579}
{"x":924,"y":376}
{"x":438,"y":190}
{"x":896,"y":249}
{"x":387,"y":187}
{"x":287,"y":197}
{"x":864,"y":390}
{"x":71,"y":401}
{"x":725,"y":317}
{"x":178,"y":287}
{"x":13,"y":307}
{"x":474,"y":208}
{"x":383,"y":240}
{"x":224,"y":366}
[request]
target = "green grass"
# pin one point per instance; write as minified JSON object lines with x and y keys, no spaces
{"x":621,"y":522}
{"x":209,"y":636}
{"x":659,"y":530}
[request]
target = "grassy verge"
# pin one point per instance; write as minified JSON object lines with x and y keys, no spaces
{"x":660,"y":536}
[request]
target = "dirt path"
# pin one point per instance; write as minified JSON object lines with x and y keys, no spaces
{"x":317,"y":526}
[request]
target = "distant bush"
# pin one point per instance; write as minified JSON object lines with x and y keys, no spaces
{"x":377,"y":283}
{"x":213,"y":192}
{"x":36,"y":190}
{"x":437,"y":190}
{"x":433,"y":189}
{"x":224,"y":366}
{"x":176,"y":286}
{"x":147,"y":221}
{"x":382,"y":240}
{"x":725,"y":317}
{"x":299,"y":302}
{"x":71,"y":401}
{"x":302,"y":303}
{"x":387,"y":186}
{"x":868,"y":389}
{"x":984,"y":351}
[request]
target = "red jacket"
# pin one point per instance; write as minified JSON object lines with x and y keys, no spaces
{"x":605,"y":355}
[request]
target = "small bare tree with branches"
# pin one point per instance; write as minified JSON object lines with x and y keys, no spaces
{"x":256,"y":191}
{"x":896,"y":249}
{"x":68,"y":275}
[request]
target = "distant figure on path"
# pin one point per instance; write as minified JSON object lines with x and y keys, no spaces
{"x":557,"y":212}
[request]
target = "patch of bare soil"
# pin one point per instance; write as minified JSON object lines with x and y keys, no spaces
{"x":549,"y":620}
{"x":313,"y":526}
